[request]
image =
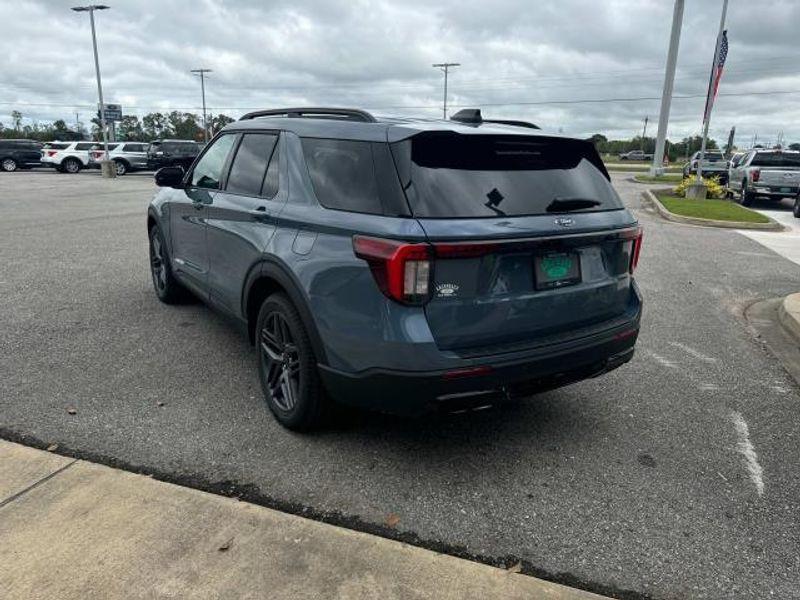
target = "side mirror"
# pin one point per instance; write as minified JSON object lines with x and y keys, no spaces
{"x":169,"y":177}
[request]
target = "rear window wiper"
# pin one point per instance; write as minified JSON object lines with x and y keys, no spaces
{"x":567,"y":204}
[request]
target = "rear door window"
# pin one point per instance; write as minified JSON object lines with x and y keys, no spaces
{"x":208,"y":171}
{"x":343,"y":174}
{"x":249,"y":168}
{"x":450,"y":175}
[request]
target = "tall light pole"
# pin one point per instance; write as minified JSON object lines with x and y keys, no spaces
{"x":444,"y":68}
{"x":202,"y":73}
{"x":669,"y":80}
{"x":106,"y":170}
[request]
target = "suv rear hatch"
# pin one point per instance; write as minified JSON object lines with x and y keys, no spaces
{"x":531,"y":244}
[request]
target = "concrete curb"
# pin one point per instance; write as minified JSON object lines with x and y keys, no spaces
{"x":789,"y":314}
{"x":80,"y":530}
{"x":669,"y":216}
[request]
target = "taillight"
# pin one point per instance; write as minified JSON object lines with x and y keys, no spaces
{"x":402,"y":270}
{"x":52,"y":152}
{"x":637,"y":248}
{"x":755,"y":175}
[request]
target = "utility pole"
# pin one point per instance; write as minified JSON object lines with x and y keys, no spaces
{"x":202,"y":73}
{"x":644,"y":131}
{"x":669,"y":81}
{"x":444,"y":68}
{"x":709,"y":97}
{"x":106,"y":165}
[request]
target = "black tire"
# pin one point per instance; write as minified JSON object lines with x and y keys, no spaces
{"x":9,"y":165}
{"x":121,"y":167}
{"x":796,"y":208}
{"x":71,"y":165}
{"x":287,"y":367}
{"x":167,"y":288}
{"x":746,"y":197}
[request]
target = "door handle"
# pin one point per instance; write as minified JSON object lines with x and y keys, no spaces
{"x":261,"y":214}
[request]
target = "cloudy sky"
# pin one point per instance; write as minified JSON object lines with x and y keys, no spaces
{"x":577,"y":66}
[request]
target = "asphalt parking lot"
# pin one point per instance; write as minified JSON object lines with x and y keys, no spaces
{"x":674,"y":476}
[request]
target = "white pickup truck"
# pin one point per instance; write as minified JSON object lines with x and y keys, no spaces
{"x":714,"y":165}
{"x":770,"y":173}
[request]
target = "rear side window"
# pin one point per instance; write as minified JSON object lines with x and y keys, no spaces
{"x":208,"y":172}
{"x":249,"y":169}
{"x":133,"y":148}
{"x":343,"y":174}
{"x":85,"y":146}
{"x":449,"y":175}
{"x":776,"y":159}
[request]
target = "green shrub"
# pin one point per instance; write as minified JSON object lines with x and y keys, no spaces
{"x":715,"y":188}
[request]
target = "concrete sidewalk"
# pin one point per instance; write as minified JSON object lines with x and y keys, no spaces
{"x":74,"y":529}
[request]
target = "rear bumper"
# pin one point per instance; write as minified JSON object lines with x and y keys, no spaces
{"x":496,"y":378}
{"x":776,"y":191}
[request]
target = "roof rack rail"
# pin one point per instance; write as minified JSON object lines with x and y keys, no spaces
{"x":473,"y":115}
{"x":349,"y":114}
{"x":513,"y":122}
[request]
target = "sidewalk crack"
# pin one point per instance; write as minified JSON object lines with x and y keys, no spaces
{"x":44,"y":479}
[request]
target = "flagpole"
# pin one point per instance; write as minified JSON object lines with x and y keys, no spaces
{"x":709,"y":98}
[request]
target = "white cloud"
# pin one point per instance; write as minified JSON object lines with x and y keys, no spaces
{"x":518,"y":59}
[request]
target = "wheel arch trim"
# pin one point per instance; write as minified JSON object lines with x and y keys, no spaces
{"x":273,"y":269}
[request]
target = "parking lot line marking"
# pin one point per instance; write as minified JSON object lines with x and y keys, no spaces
{"x":694,"y":353}
{"x":746,"y":449}
{"x":664,"y":362}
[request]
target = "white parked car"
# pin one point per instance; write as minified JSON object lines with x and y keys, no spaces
{"x":127,"y":156}
{"x":67,"y":157}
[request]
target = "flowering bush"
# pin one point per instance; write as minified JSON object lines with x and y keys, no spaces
{"x":715,"y":188}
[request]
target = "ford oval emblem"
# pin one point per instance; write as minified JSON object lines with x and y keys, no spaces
{"x":565,"y":221}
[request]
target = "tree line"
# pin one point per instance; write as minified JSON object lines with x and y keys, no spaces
{"x":677,"y":151}
{"x":153,"y":126}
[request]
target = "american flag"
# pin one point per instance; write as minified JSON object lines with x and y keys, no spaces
{"x":716,"y":74}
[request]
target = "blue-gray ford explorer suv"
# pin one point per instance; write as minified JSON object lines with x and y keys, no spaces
{"x":401,"y":264}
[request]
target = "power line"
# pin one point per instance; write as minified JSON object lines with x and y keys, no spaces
{"x":471,"y":104}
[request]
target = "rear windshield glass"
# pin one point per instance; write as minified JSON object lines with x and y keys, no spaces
{"x":453,"y":175}
{"x":775,"y":159}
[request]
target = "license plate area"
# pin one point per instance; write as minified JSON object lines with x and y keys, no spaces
{"x":553,"y":270}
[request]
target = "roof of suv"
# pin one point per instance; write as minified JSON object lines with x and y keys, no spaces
{"x":354,"y":124}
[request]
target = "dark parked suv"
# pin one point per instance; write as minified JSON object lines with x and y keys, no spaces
{"x":172,"y":153}
{"x":402,"y":264}
{"x":19,"y":154}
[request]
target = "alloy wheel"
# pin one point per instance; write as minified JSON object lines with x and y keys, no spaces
{"x":120,"y":168}
{"x":9,"y":164}
{"x":157,"y":266}
{"x":72,"y":166}
{"x":281,"y":361}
